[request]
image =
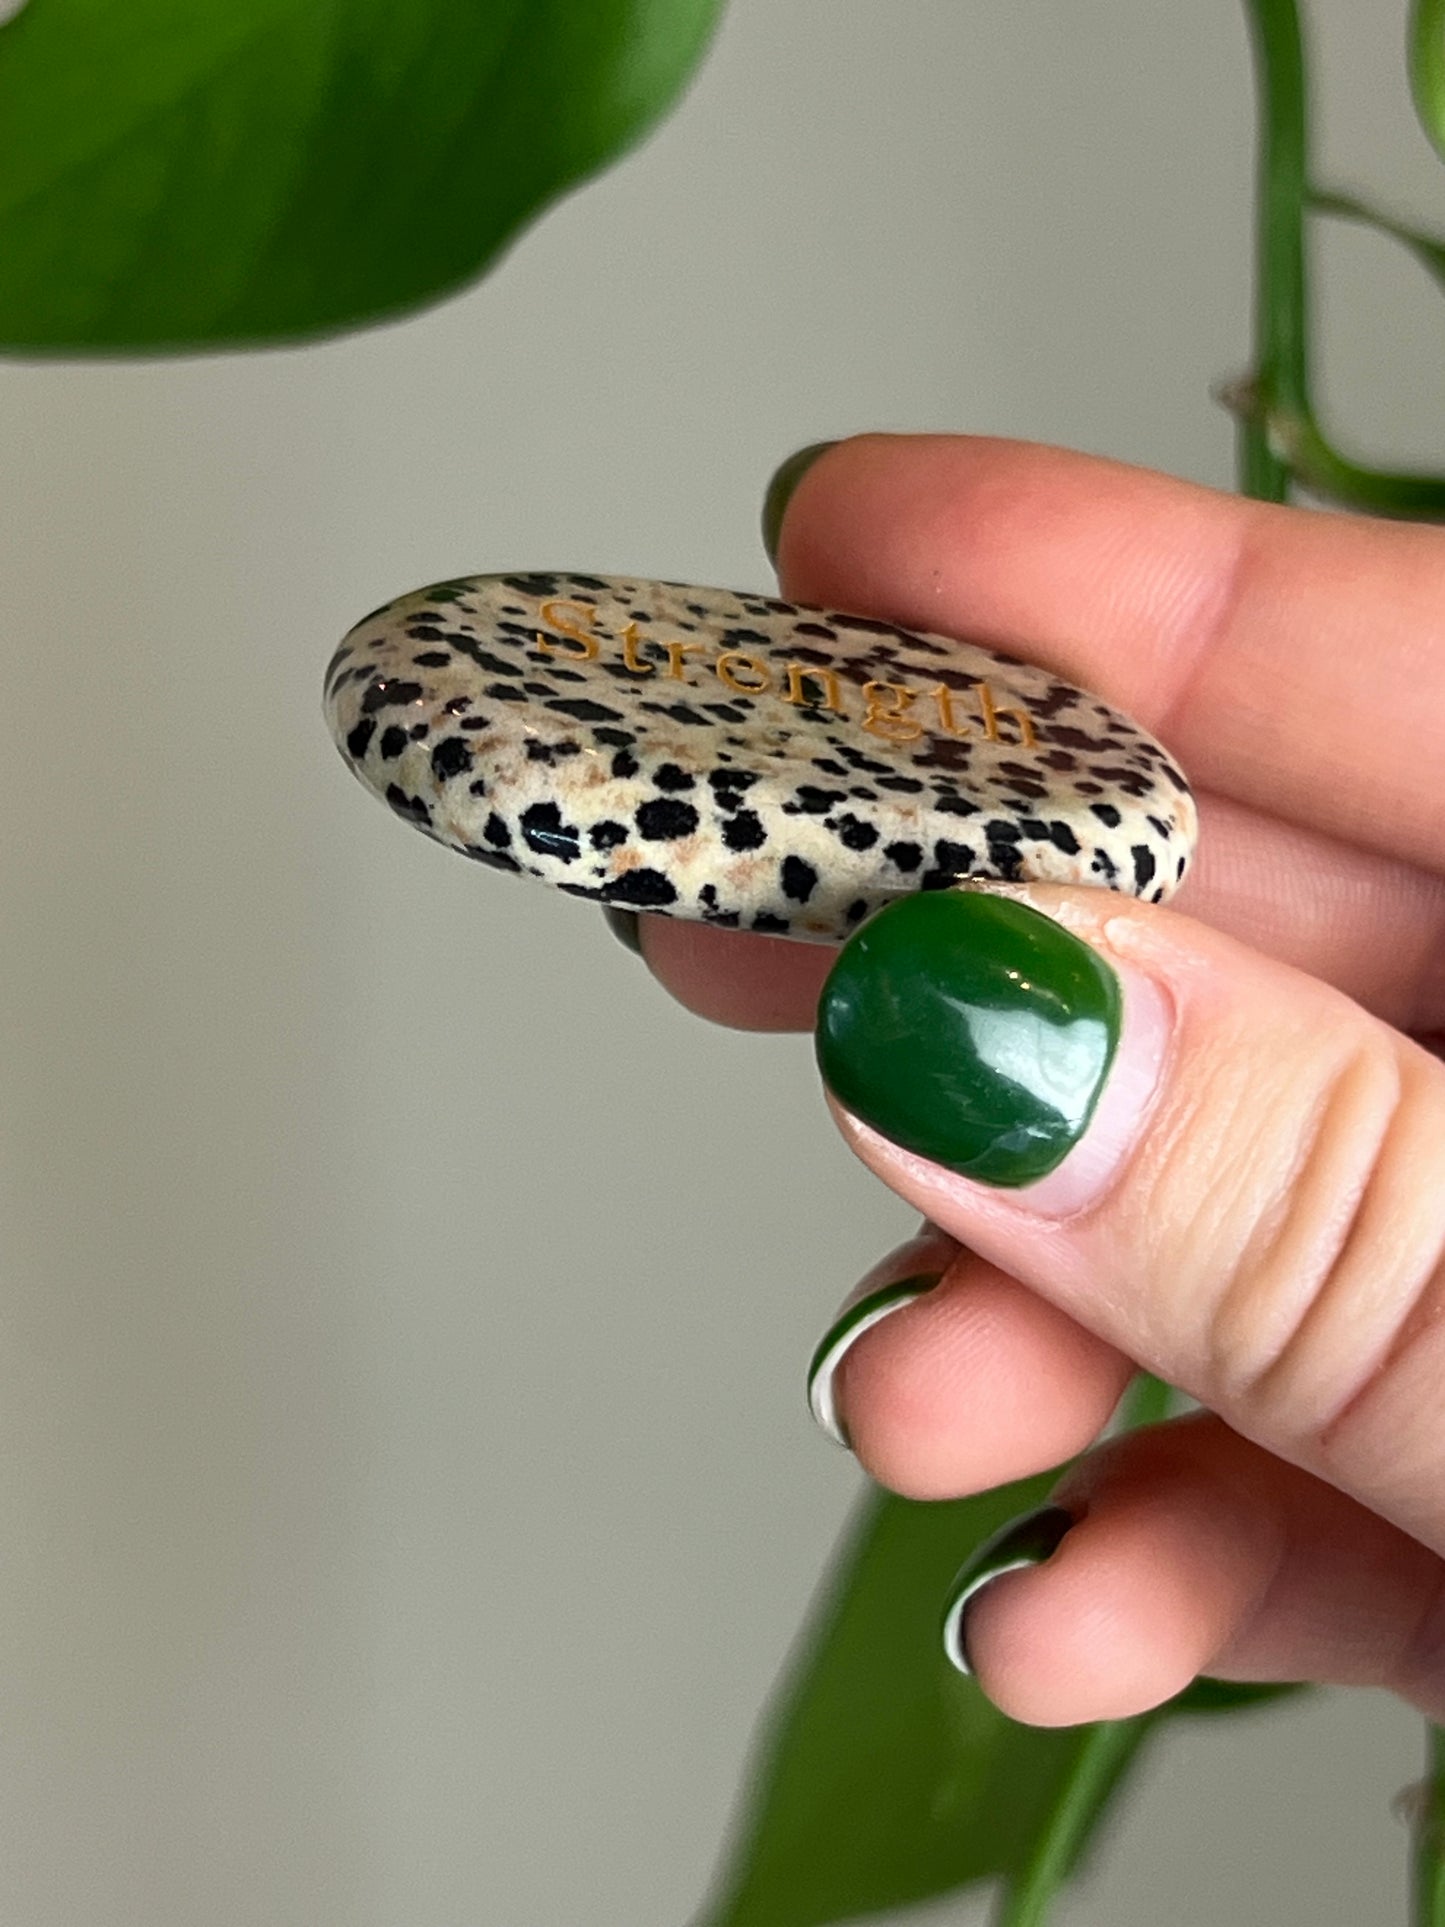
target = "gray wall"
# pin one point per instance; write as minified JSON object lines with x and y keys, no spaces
{"x":405,"y":1497}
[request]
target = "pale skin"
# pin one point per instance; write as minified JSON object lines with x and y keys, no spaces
{"x":1270,"y":1234}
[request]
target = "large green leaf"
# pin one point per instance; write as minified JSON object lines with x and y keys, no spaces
{"x":1427,"y":66}
{"x":196,"y":173}
{"x":886,"y":1778}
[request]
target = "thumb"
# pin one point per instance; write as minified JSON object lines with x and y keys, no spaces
{"x":1219,"y":1165}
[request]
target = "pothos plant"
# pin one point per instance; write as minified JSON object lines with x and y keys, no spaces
{"x":178,"y":175}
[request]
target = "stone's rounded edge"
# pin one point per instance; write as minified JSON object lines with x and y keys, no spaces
{"x":536,"y":764}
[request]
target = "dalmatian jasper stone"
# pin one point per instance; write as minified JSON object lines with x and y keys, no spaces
{"x":738,"y":760}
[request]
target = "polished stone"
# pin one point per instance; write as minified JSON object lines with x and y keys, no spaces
{"x":740,"y":760}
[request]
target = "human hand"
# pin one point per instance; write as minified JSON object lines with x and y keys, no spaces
{"x":1256,"y":1208}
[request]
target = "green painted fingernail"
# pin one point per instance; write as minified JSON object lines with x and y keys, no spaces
{"x":780,"y":493}
{"x":844,"y":1334}
{"x":624,"y":926}
{"x":1024,"y":1542}
{"x":971,"y":1029}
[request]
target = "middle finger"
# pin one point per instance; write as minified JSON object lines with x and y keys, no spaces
{"x":1295,"y":894}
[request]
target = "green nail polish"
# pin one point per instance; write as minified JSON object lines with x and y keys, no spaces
{"x":1024,"y":1542}
{"x":624,"y":926}
{"x":844,"y":1334}
{"x":971,"y":1029}
{"x":780,"y":493}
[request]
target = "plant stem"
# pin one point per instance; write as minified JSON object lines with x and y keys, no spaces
{"x":1281,"y":300}
{"x":1427,"y":1885}
{"x":1106,"y":1751}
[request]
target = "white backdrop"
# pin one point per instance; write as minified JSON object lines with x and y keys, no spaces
{"x":405,"y":1492}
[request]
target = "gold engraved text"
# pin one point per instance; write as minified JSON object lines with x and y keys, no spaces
{"x":549,"y":612}
{"x":675,"y":653}
{"x":992,"y":714}
{"x":943,"y":700}
{"x":630,"y":659}
{"x":888,"y":708}
{"x":799,"y":674}
{"x":889,"y":718}
{"x":728,"y":676}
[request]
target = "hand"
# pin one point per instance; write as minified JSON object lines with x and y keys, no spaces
{"x":1256,"y":1210}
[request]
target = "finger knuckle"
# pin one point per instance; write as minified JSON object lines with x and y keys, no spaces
{"x":1344,"y":1251}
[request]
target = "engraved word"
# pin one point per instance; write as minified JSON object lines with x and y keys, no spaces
{"x":889,"y":709}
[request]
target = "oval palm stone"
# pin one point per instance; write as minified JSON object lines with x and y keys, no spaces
{"x":740,"y":760}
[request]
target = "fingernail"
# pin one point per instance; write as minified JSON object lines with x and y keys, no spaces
{"x":625,"y":927}
{"x":843,"y":1335}
{"x":780,"y":493}
{"x":1024,"y":1542}
{"x":970,"y":1029}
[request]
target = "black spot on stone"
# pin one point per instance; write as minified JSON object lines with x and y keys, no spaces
{"x":956,"y":859}
{"x":393,"y":741}
{"x":1144,"y":864}
{"x":732,"y":779}
{"x":902,"y":785}
{"x":950,"y":803}
{"x":358,"y":740}
{"x":904,"y":856}
{"x":607,"y":835}
{"x":856,"y":911}
{"x":670,"y":777}
{"x":584,"y":710}
{"x":744,"y":831}
{"x":615,"y":738}
{"x":649,"y":889}
{"x":1104,"y":865}
{"x":456,"y":706}
{"x":1160,"y":829}
{"x":389,"y":693}
{"x":545,"y":831}
{"x":819,"y":629}
{"x":451,"y":757}
{"x":419,"y":732}
{"x":504,"y":694}
{"x":724,"y":919}
{"x":771,"y":925}
{"x":1063,"y":838}
{"x":496,"y":831}
{"x":477,"y":787}
{"x":800,"y":879}
{"x":487,"y":659}
{"x":432,"y":659}
{"x":625,"y":764}
{"x":411,"y":807}
{"x":1106,"y":814}
{"x":854,"y":834}
{"x":813,"y":801}
{"x":662,"y":818}
{"x":424,"y":632}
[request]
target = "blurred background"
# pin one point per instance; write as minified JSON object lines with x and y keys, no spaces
{"x":406,"y":1493}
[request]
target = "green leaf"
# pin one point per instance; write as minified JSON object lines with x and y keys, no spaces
{"x":1427,"y":67}
{"x":1205,"y":1695}
{"x":199,"y":173}
{"x":1427,"y":249}
{"x":885,"y":1777}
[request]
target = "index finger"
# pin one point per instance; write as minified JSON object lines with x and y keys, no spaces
{"x":1293,"y":660}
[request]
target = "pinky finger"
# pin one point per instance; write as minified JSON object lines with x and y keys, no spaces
{"x":1185,"y":1549}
